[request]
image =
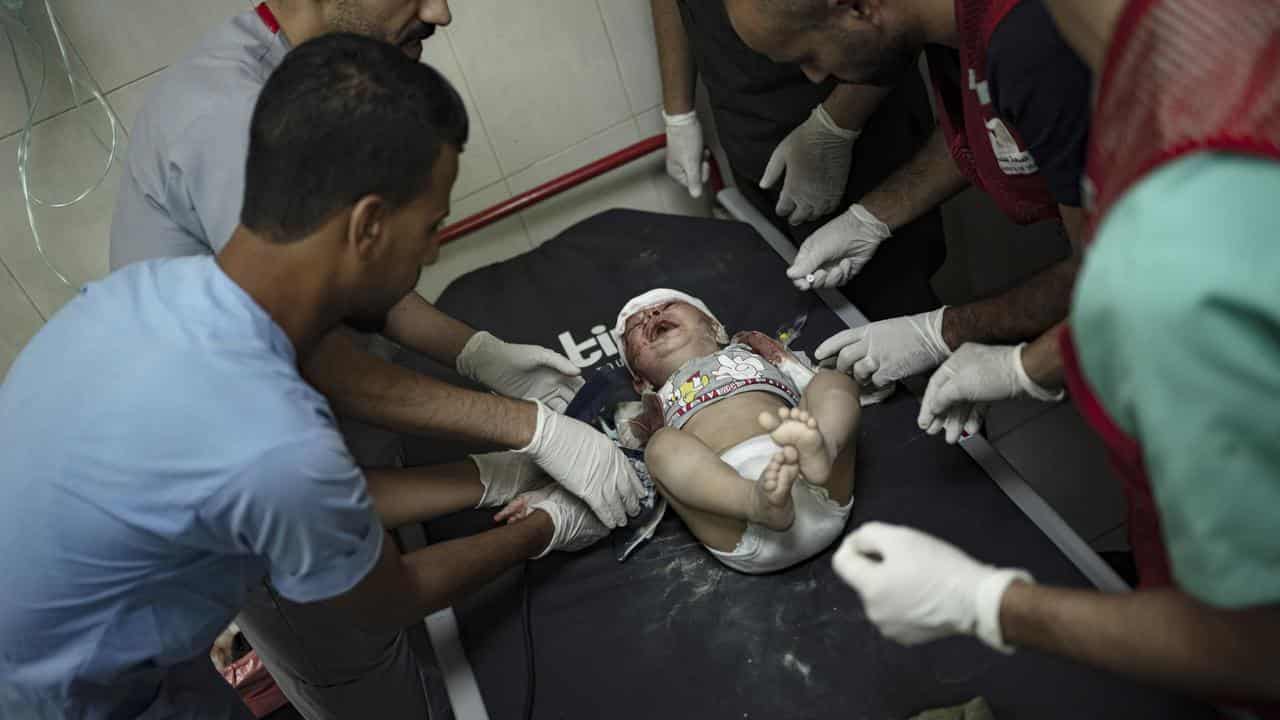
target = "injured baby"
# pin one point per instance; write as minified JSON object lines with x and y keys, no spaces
{"x":752,"y":449}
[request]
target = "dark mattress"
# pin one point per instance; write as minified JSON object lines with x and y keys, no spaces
{"x":671,"y":633}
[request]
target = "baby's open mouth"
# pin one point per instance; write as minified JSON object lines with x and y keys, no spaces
{"x":658,"y":327}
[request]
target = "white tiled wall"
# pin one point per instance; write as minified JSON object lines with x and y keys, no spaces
{"x":550,"y":85}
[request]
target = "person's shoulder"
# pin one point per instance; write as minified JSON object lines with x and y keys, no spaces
{"x":114,"y":301}
{"x":1202,"y":228}
{"x":1027,"y":42}
{"x":225,"y":349}
{"x":222,"y":75}
{"x":1183,"y":259}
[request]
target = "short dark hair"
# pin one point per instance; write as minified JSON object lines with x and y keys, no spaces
{"x":794,"y":14}
{"x":343,"y":117}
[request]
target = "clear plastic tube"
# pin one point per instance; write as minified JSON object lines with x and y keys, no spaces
{"x":12,"y":22}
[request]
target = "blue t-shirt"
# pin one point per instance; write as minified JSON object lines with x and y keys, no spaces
{"x":160,"y":455}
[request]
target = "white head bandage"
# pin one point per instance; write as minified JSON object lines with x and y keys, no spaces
{"x":660,"y":296}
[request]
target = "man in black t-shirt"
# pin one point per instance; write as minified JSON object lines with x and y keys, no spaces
{"x":798,"y":138}
{"x":1013,"y":104}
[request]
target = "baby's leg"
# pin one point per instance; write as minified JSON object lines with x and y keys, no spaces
{"x":832,"y":400}
{"x":821,"y":426}
{"x":694,"y":476}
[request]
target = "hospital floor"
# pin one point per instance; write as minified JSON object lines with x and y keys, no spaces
{"x":1049,"y":445}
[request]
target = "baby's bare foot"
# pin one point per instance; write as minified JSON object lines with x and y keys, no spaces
{"x":793,"y":427}
{"x":771,"y":504}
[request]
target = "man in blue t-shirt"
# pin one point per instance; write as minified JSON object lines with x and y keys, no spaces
{"x":181,"y":194}
{"x":162,"y":453}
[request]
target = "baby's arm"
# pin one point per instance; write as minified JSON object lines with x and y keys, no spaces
{"x":638,"y":421}
{"x":777,"y":354}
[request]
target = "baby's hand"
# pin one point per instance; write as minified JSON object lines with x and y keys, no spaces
{"x":638,"y":421}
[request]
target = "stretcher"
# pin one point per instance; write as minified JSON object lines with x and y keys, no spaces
{"x":671,"y":633}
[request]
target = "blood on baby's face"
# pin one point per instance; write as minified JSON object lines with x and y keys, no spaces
{"x":659,"y":335}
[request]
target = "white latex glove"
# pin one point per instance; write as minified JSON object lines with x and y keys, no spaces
{"x":973,"y":376}
{"x":837,"y":251}
{"x":815,"y":157}
{"x":576,"y":527}
{"x":887,"y":351}
{"x":587,"y":464}
{"x":506,"y":475}
{"x":527,"y":372}
{"x":685,"y":163}
{"x":917,"y":588}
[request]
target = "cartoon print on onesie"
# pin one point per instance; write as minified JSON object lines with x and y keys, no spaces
{"x":739,"y":367}
{"x":687,"y":391}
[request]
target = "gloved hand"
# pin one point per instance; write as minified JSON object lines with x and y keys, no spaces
{"x":520,"y":371}
{"x":815,"y":157}
{"x":506,"y":475}
{"x":685,"y":163}
{"x":956,"y":422}
{"x":576,"y":527}
{"x":838,"y":250}
{"x":587,"y":464}
{"x":917,"y":588}
{"x":974,"y":375}
{"x":886,"y":351}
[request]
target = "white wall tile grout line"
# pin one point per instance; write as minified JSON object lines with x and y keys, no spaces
{"x":617,"y":62}
{"x":466,"y":84}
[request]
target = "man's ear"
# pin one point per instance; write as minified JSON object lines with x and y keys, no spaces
{"x":367,"y":225}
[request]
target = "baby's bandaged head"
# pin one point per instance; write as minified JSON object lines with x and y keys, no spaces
{"x":660,"y":296}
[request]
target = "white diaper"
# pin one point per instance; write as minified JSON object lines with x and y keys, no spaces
{"x":819,"y":519}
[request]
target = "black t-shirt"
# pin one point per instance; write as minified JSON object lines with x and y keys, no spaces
{"x":1040,"y":86}
{"x":756,"y":101}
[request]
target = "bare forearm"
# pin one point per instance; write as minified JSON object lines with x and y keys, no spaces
{"x":928,"y":180}
{"x":418,"y":325}
{"x":1023,"y":312}
{"x":851,"y":106}
{"x":407,"y":495}
{"x":1164,"y":636}
{"x":403,"y":589}
{"x":369,"y":388}
{"x":674,"y":58}
{"x":440,"y":575}
{"x":1042,"y":359}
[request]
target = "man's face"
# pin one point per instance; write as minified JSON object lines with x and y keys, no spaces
{"x":660,"y":334}
{"x":412,"y":242}
{"x":404,"y":23}
{"x":872,"y":45}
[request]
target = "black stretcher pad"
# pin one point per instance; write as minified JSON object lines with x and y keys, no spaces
{"x":671,"y":633}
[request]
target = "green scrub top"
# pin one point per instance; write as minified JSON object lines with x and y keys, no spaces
{"x":1176,"y":319}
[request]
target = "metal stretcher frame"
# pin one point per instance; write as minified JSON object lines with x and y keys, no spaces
{"x":464,"y":692}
